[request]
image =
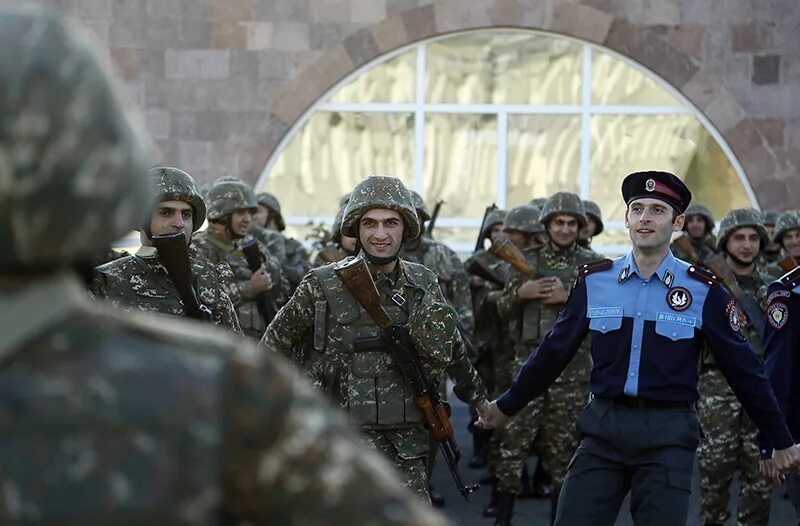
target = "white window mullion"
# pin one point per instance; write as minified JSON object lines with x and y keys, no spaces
{"x":419,"y":121}
{"x":502,"y":158}
{"x":586,"y":122}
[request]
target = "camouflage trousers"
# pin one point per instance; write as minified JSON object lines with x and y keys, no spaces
{"x":729,"y":445}
{"x":411,"y":469}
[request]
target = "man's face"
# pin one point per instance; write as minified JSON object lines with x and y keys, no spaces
{"x":791,"y":243}
{"x":743,"y":245}
{"x":517,"y":237}
{"x":381,"y":232}
{"x":171,"y":217}
{"x":587,"y":232}
{"x":650,"y":224}
{"x":260,"y":217}
{"x":496,"y":232}
{"x":241,"y":221}
{"x":696,"y":226}
{"x":563,"y":230}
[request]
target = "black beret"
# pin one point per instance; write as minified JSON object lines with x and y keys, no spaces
{"x":657,"y":185}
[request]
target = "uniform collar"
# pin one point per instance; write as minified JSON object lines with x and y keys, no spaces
{"x":665,"y":271}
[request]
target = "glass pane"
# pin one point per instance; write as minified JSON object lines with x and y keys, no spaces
{"x":390,"y":81}
{"x":614,"y":82}
{"x":333,"y":151}
{"x":503,"y":67}
{"x":612,"y":242}
{"x":461,"y":163}
{"x":622,"y":144}
{"x":543,"y":156}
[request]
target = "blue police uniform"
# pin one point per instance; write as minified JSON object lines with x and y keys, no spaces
{"x":782,"y":361}
{"x":640,"y":431}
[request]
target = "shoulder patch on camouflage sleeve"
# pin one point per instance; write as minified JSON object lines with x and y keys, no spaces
{"x":792,"y":278}
{"x":594,"y":266}
{"x":704,"y":276}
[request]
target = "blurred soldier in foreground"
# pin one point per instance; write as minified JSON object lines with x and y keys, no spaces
{"x":698,"y":230}
{"x":183,"y":284}
{"x":787,"y":235}
{"x":110,"y":419}
{"x":296,"y":262}
{"x":328,"y":332}
{"x":730,"y":437}
{"x":594,"y":224}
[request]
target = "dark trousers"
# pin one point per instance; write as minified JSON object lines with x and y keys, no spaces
{"x":649,"y":452}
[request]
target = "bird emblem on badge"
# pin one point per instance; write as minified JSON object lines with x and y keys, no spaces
{"x":679,"y":298}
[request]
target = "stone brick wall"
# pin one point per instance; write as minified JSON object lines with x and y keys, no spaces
{"x":220,"y":81}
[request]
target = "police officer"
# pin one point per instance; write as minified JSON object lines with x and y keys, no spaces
{"x":787,"y":235}
{"x":730,"y":437}
{"x":297,"y":260}
{"x":530,"y":307}
{"x":698,"y":227}
{"x":112,"y":418}
{"x":142,"y":282}
{"x":594,"y":224}
{"x":649,"y":315}
{"x":337,"y":338}
{"x":231,"y":205}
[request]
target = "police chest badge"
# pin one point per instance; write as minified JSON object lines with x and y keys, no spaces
{"x":777,"y":315}
{"x":679,"y":298}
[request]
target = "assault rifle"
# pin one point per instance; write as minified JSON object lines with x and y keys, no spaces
{"x":477,"y":268}
{"x":434,"y":216}
{"x":265,"y":304}
{"x":508,"y":252}
{"x":357,"y":279}
{"x":787,"y":264}
{"x":174,"y":255}
{"x":479,"y":242}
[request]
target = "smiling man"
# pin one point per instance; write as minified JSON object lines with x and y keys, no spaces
{"x":650,"y":315}
{"x":330,"y":335}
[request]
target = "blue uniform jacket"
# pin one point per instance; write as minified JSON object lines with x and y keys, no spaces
{"x":781,"y":348}
{"x":646,"y":340}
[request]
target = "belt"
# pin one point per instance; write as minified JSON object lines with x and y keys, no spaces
{"x":646,"y":403}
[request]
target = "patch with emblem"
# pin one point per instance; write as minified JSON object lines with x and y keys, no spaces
{"x":650,"y":185}
{"x":732,"y":312}
{"x":778,"y":315}
{"x":778,"y":294}
{"x":668,"y":278}
{"x":679,"y":298}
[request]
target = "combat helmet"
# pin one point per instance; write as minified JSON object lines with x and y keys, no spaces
{"x":496,"y":216}
{"x":271,"y":202}
{"x":419,"y":204}
{"x":380,"y":191}
{"x":593,"y":211}
{"x":538,"y":202}
{"x":787,"y":221}
{"x":524,"y":218}
{"x":228,"y":195}
{"x":336,"y":228}
{"x":739,"y":218}
{"x":172,"y":184}
{"x":770,"y":217}
{"x":695,"y":209}
{"x":72,"y":178}
{"x":563,"y":203}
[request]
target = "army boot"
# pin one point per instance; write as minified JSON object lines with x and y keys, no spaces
{"x":491,"y":509}
{"x":505,"y":508}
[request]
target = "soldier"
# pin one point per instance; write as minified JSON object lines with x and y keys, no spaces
{"x":594,"y":224}
{"x":650,"y":314}
{"x":142,"y":282}
{"x":730,"y":437}
{"x":698,"y":228}
{"x":538,"y":202}
{"x":111,"y":418}
{"x":269,"y":216}
{"x":771,"y":253}
{"x":231,"y":205}
{"x":341,"y":353}
{"x":339,"y":246}
{"x":530,"y":306}
{"x":787,"y":235}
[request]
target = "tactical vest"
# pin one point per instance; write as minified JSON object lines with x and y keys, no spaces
{"x":354,"y":364}
{"x":250,"y":319}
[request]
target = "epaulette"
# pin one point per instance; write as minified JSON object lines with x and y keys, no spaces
{"x":594,"y":266}
{"x":792,"y":278}
{"x":703,"y":275}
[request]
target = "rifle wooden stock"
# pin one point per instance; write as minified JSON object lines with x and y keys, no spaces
{"x":479,"y":269}
{"x":685,"y":244}
{"x":265,"y":304}
{"x":174,"y":255}
{"x":356,"y":277}
{"x":508,"y":251}
{"x":787,"y":264}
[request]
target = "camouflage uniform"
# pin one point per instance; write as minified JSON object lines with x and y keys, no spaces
{"x":704,"y":248}
{"x":297,"y":261}
{"x":328,"y":333}
{"x":767,"y":257}
{"x":592,"y":211}
{"x":730,"y":437}
{"x":787,"y":221}
{"x":333,"y":248}
{"x":223,"y":198}
{"x":554,"y":414}
{"x":125,"y":419}
{"x":141,"y":282}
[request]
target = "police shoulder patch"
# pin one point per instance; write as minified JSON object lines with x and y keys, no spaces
{"x":792,"y":278}
{"x":777,"y":315}
{"x":594,"y":266}
{"x":703,"y":275}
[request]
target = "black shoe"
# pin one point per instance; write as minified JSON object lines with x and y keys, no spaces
{"x":437,"y":499}
{"x":480,"y":448}
{"x":526,"y":490}
{"x":505,"y":508}
{"x":491,"y":509}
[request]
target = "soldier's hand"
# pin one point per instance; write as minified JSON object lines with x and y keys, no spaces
{"x":490,"y":416}
{"x":787,"y":460}
{"x":493,"y":296}
{"x":770,"y":472}
{"x":260,"y":281}
{"x":536,"y":289}
{"x":558,"y":296}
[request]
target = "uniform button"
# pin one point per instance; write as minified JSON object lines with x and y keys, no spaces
{"x":635,"y":346}
{"x":674,"y":334}
{"x":603,"y":327}
{"x":633,"y":375}
{"x":638,"y":313}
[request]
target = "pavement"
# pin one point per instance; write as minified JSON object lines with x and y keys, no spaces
{"x":533,"y":512}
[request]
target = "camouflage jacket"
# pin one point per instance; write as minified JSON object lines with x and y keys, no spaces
{"x":704,"y":250}
{"x":123,"y":419}
{"x":328,"y":333}
{"x":488,"y":326}
{"x":529,"y":321}
{"x":273,"y":241}
{"x":216,"y":249}
{"x":297,"y":263}
{"x":141,"y":282}
{"x":447,"y":266}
